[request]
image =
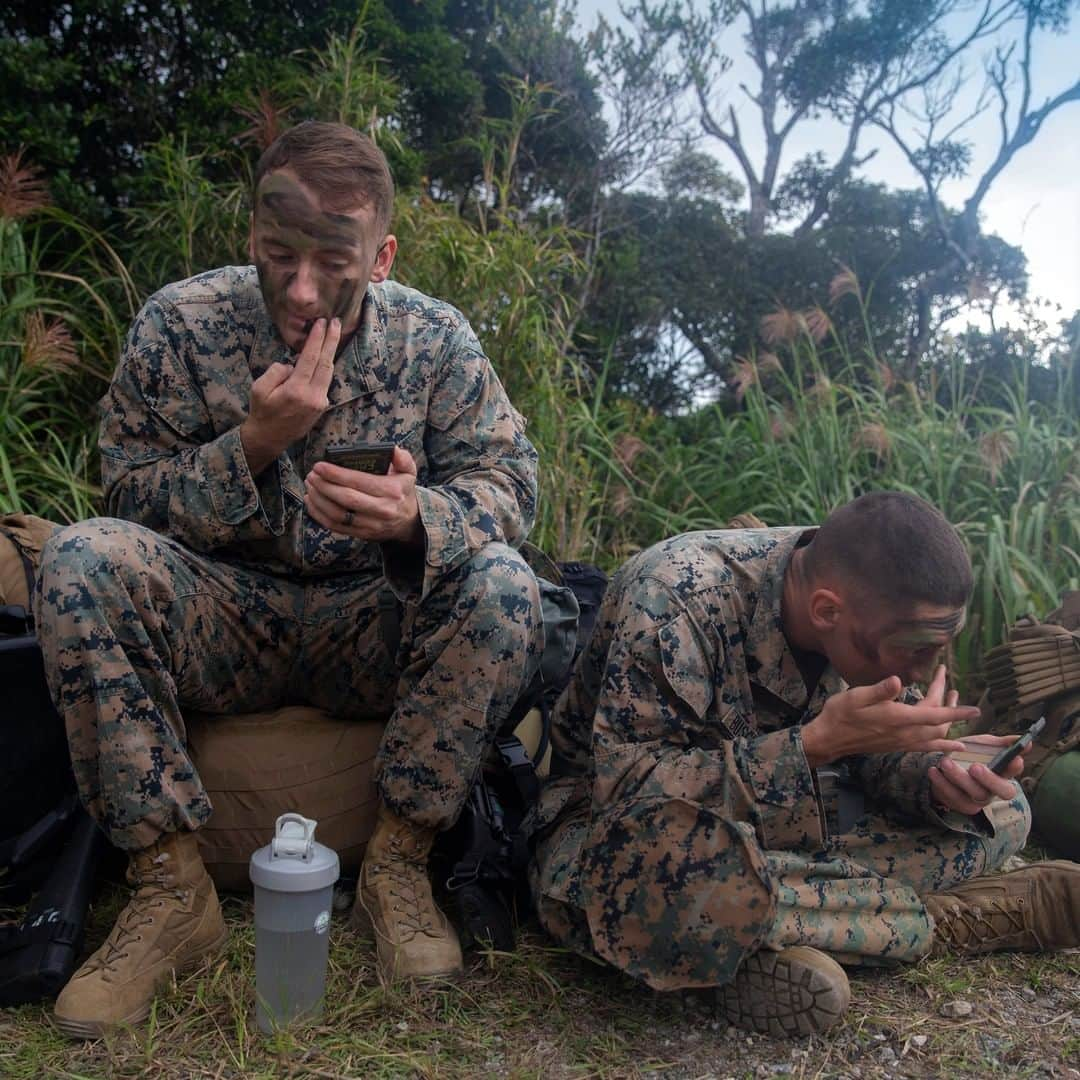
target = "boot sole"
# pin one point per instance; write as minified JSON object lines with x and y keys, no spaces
{"x":95,"y":1029}
{"x":798,"y":991}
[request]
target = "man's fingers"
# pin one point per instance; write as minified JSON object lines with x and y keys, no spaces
{"x":886,"y":690}
{"x":347,"y":497}
{"x":946,"y":746}
{"x":946,"y":794}
{"x":923,"y":715}
{"x":935,"y":692}
{"x":991,"y":740}
{"x":324,"y":369}
{"x":952,"y":698}
{"x":308,"y":359}
{"x":1000,"y":787}
{"x":273,"y":377}
{"x":940,"y":714}
{"x":403,"y":462}
{"x":964,"y":781}
{"x":338,"y":476}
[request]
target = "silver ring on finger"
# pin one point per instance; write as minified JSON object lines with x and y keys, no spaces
{"x":347,"y":519}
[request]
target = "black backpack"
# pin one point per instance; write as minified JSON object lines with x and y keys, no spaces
{"x":48,"y":845}
{"x":486,"y":853}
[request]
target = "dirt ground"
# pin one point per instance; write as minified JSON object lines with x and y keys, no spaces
{"x":539,"y":1012}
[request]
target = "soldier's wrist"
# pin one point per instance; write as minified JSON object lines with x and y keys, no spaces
{"x":815,"y":744}
{"x":258,"y":453}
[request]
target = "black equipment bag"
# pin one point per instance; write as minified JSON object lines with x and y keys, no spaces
{"x":48,"y":844}
{"x":487,"y":850}
{"x":38,"y":954}
{"x":35,"y":770}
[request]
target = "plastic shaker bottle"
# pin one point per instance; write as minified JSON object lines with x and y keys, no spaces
{"x":294,"y":883}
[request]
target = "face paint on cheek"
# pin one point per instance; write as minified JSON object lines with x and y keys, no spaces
{"x":864,"y":646}
{"x":274,"y":285}
{"x":348,"y":302}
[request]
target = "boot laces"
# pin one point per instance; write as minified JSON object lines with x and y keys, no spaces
{"x":982,"y":922}
{"x":409,"y":888}
{"x":153,"y":885}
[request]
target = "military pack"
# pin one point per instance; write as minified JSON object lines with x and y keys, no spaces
{"x":1036,"y":673}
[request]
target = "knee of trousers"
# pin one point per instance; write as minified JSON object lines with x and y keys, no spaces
{"x":675,"y":893}
{"x":101,"y":549}
{"x":497,"y":592}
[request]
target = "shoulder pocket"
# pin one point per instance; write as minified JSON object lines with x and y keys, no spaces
{"x":685,"y":665}
{"x":169,"y":392}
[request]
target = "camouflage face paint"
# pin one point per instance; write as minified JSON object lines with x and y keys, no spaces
{"x":311,"y":262}
{"x":916,"y":634}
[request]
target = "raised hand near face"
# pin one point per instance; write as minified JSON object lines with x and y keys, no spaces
{"x":287,"y":401}
{"x":869,"y":720}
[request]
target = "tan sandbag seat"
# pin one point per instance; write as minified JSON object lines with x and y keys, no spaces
{"x":256,"y":766}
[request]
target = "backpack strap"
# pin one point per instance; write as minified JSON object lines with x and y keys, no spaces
{"x":390,"y":620}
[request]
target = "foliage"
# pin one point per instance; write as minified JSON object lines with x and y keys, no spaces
{"x":61,"y":321}
{"x":817,"y":409}
{"x":681,"y":259}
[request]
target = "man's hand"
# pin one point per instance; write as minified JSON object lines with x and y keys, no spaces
{"x":287,"y":401}
{"x":869,"y":720}
{"x":967,"y":791}
{"x":369,"y":507}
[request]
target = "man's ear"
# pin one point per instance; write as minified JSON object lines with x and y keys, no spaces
{"x":384,"y":260}
{"x":251,"y":236}
{"x":825,"y":609}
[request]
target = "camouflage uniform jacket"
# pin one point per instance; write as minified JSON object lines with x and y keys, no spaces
{"x":414,"y":373}
{"x":689,"y":690}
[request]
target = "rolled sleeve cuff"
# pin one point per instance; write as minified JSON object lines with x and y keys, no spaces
{"x":783,"y":785}
{"x":445,"y":543}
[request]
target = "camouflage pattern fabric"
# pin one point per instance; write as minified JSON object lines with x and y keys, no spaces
{"x":220,"y":593}
{"x":682,"y":827}
{"x":414,"y":374}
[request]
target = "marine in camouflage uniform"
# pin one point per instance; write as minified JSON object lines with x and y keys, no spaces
{"x":213,"y":590}
{"x":683,"y":829}
{"x":241,"y":571}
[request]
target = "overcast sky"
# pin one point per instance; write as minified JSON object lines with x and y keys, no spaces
{"x":1034,"y":204}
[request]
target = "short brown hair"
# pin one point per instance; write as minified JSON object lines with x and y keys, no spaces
{"x":894,"y":546}
{"x":340,"y":164}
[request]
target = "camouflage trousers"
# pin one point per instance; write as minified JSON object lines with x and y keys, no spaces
{"x":135,"y":627}
{"x":857,"y":899}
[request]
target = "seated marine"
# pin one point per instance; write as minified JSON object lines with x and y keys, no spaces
{"x":240,"y":570}
{"x":744,"y":796}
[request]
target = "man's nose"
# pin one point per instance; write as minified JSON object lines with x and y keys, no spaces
{"x":303,"y":291}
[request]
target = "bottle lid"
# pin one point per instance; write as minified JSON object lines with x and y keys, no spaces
{"x":293,"y":861}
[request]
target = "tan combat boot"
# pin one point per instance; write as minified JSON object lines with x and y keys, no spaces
{"x":172,"y":922}
{"x":413,"y":937}
{"x":796,"y":991}
{"x":1034,"y":909}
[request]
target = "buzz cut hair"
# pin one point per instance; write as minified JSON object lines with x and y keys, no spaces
{"x":895,"y":548}
{"x":340,"y":164}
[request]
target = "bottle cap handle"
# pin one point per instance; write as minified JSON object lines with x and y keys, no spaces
{"x":294,"y":837}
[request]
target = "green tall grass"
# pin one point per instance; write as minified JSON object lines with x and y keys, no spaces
{"x":614,"y":477}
